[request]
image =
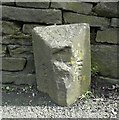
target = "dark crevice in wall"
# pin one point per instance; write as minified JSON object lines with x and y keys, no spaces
{"x":7,"y":52}
{"x":49,"y":5}
{"x":10,"y":4}
{"x":78,"y":12}
{"x":106,"y":43}
{"x":12,"y":71}
{"x":20,"y":24}
{"x":8,"y":83}
{"x":25,"y":63}
{"x":95,"y":3}
{"x":23,"y":22}
{"x":93,"y":34}
{"x":43,"y":24}
{"x":63,"y":22}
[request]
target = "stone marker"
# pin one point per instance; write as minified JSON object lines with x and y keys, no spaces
{"x":62,"y":60}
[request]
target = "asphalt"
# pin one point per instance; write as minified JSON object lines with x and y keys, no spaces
{"x":27,"y":102}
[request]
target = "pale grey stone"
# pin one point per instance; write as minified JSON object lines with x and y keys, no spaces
{"x":105,"y":59}
{"x":13,"y":64}
{"x":62,"y":61}
{"x":79,"y":18}
{"x":18,"y":78}
{"x":48,"y":16}
{"x":107,"y":9}
{"x":78,"y":7}
{"x":33,"y":4}
{"x":108,"y":36}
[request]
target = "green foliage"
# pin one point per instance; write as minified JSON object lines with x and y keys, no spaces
{"x":94,"y":69}
{"x":87,"y":95}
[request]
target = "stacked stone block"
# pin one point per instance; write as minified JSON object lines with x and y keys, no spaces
{"x":19,"y":18}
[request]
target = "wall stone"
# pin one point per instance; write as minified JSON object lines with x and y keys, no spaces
{"x":109,"y":9}
{"x":48,"y":16}
{"x":115,"y":22}
{"x":16,"y":39}
{"x":95,"y":21}
{"x":18,"y":79}
{"x":13,"y":64}
{"x":20,"y":51}
{"x":79,"y":7}
{"x":105,"y":58}
{"x":108,"y":35}
{"x":10,"y":28}
{"x":32,"y":4}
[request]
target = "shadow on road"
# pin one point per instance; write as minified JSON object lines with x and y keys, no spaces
{"x":29,"y":96}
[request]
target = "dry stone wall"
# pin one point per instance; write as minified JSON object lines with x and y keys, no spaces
{"x":19,"y":18}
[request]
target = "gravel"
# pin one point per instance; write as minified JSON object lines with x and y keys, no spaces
{"x":27,"y":102}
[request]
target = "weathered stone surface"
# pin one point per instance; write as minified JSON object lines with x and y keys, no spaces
{"x":18,"y":78}
{"x":2,"y":50}
{"x":115,"y":22}
{"x":107,"y":9}
{"x":48,"y":16}
{"x":13,"y":64}
{"x":62,"y":57}
{"x":105,"y":58}
{"x":16,"y":39}
{"x":7,"y":2}
{"x":10,"y":28}
{"x":33,"y":4}
{"x":27,"y":28}
{"x":108,"y":35}
{"x":78,"y":18}
{"x":20,"y":51}
{"x":73,"y":6}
